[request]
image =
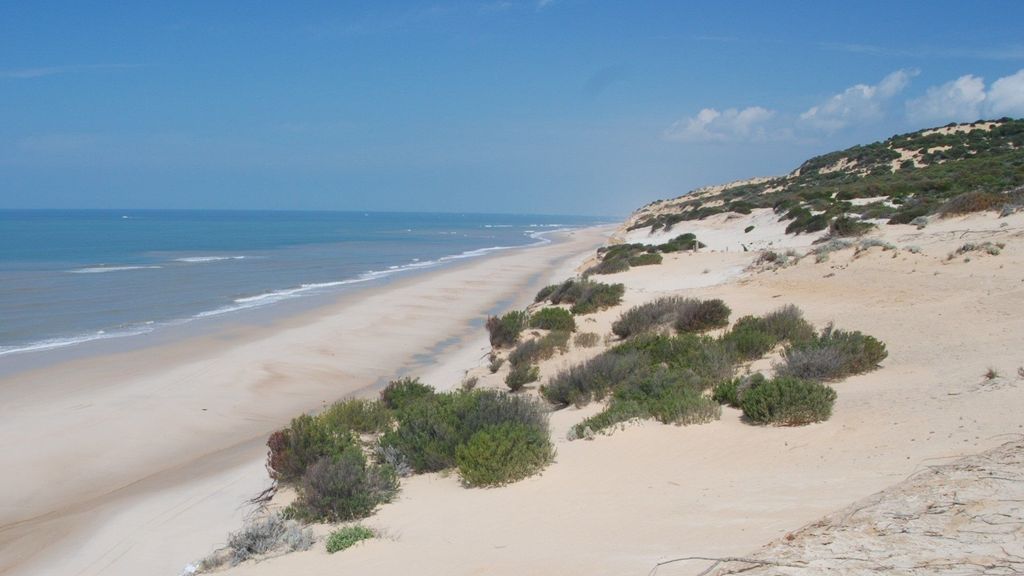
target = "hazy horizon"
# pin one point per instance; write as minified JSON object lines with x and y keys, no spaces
{"x":518,"y":107}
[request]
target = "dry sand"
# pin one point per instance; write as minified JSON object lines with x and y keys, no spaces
{"x":621,"y":503}
{"x":137,"y":463}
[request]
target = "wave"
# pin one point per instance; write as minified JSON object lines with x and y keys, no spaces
{"x":202,"y":259}
{"x":102,"y":269}
{"x":51,"y":343}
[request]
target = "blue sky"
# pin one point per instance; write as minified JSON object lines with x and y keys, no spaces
{"x":553,"y":106}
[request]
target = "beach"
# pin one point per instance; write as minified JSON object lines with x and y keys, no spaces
{"x":648,"y":492}
{"x":140,"y":461}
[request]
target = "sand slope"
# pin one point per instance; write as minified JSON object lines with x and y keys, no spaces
{"x":621,"y":503}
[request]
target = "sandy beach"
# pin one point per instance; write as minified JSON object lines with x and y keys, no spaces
{"x":648,"y":492}
{"x":138,"y":462}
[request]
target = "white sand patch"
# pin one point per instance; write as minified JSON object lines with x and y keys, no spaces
{"x":726,"y":232}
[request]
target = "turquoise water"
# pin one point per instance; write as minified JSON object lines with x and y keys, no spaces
{"x":68,"y":277}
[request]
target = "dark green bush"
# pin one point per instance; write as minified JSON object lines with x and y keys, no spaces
{"x":505,"y":330}
{"x":645,"y":260}
{"x":664,"y":395}
{"x":429,"y":432}
{"x":398,"y":393}
{"x":681,"y":243}
{"x":305,"y":441}
{"x":701,"y":315}
{"x":347,"y":537}
{"x":705,"y":361}
{"x":788,"y":401}
{"x":585,"y":295}
{"x":503,"y":453}
{"x":340,"y":488}
{"x":833,"y":355}
{"x":749,"y":338}
{"x":648,"y":316}
{"x":553,"y":319}
{"x":844,"y":227}
{"x":593,"y":379}
{"x":358,"y":415}
{"x":521,"y":375}
{"x":608,"y":266}
{"x":969,"y":202}
{"x":731,"y":391}
{"x":542,"y":348}
{"x":545,"y":293}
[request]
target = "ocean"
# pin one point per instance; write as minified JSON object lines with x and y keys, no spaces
{"x":74,"y":276}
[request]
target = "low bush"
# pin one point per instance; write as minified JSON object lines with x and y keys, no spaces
{"x":542,"y":348}
{"x":788,"y":401}
{"x":593,"y":379}
{"x":587,"y":339}
{"x":833,"y":355}
{"x":399,"y":393}
{"x":358,"y":415}
{"x":336,"y":489}
{"x":586,"y":296}
{"x":787,"y":324}
{"x":495,"y":363}
{"x":664,"y":395}
{"x":505,"y":330}
{"x":645,"y":259}
{"x":503,"y":453}
{"x":429,"y":432}
{"x":680,"y":243}
{"x":265,"y":535}
{"x":969,"y":202}
{"x":347,"y":537}
{"x":705,"y":361}
{"x":553,"y":319}
{"x":701,"y":315}
{"x":731,"y":391}
{"x":844,"y":227}
{"x":749,"y":338}
{"x":521,"y":375}
{"x":608,"y":266}
{"x":687,"y":314}
{"x":306,"y":440}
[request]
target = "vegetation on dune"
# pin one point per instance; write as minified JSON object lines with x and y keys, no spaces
{"x":685,"y":314}
{"x":787,"y":401}
{"x":620,"y":257}
{"x":832,"y":355}
{"x":586,"y":296}
{"x":504,"y":330}
{"x":949,"y":174}
{"x":348,"y":537}
{"x":553,"y":319}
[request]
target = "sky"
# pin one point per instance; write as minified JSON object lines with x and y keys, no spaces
{"x":518,"y":106}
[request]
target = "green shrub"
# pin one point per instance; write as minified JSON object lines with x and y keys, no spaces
{"x":731,"y":391}
{"x":345,"y":487}
{"x":585,"y":295}
{"x":833,"y":355}
{"x":347,"y":537}
{"x":495,"y":363}
{"x":701,"y":315}
{"x":681,"y":243}
{"x":429,"y":432}
{"x":553,"y":319}
{"x":748,"y":229}
{"x":608,"y":266}
{"x":593,"y":379}
{"x":704,"y":360}
{"x":503,"y":453}
{"x":645,"y":259}
{"x":749,"y":338}
{"x":505,"y":330}
{"x":787,"y":324}
{"x":399,"y":393}
{"x":788,"y":401}
{"x":647,"y":316}
{"x":542,"y":348}
{"x":664,"y":395}
{"x":521,"y":375}
{"x":306,"y":440}
{"x":545,"y":293}
{"x":587,"y":339}
{"x":358,"y":415}
{"x":844,"y":227}
{"x":262,"y":536}
{"x":969,"y":202}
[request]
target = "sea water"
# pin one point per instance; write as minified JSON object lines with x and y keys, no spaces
{"x":74,"y":276}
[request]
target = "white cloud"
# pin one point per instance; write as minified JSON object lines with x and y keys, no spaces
{"x":730,"y":125}
{"x":1006,"y":97}
{"x":966,"y":100}
{"x":960,"y":100}
{"x":856,"y":104}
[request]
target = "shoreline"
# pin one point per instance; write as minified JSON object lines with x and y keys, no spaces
{"x":129,"y":420}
